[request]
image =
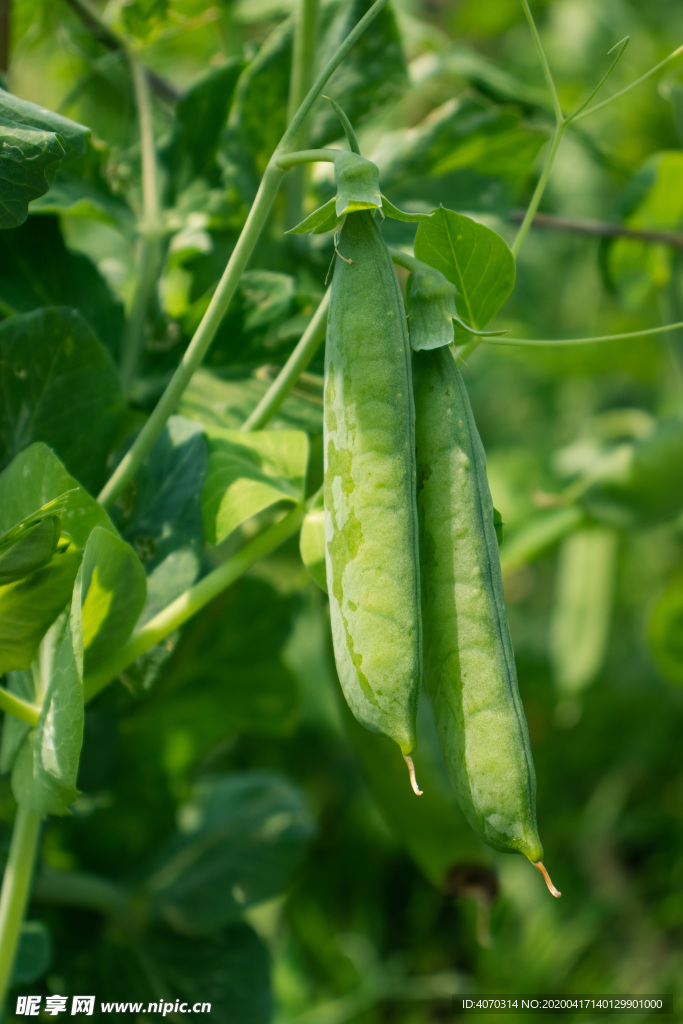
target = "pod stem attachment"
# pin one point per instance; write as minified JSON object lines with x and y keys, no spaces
{"x":413,"y":781}
{"x":548,"y":881}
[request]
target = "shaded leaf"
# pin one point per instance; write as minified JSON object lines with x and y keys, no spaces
{"x":325,"y":218}
{"x":249,"y":472}
{"x":240,"y":839}
{"x":57,"y":378}
{"x":229,"y":970}
{"x":29,"y":281}
{"x":163,"y":522}
{"x":34,"y":953}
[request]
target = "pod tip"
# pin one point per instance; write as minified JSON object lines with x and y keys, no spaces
{"x":411,"y":768}
{"x":548,"y":881}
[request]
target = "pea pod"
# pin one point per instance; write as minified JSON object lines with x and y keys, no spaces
{"x":371,"y":528}
{"x":469,"y":663}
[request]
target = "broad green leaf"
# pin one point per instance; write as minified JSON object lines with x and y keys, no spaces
{"x":113,"y":590}
{"x":28,"y":608}
{"x":163,"y":521}
{"x":241,"y":838}
{"x":225,"y":404}
{"x":228,"y":657}
{"x":325,"y":218}
{"x":312,"y":545}
{"x":33,"y":142}
{"x":229,"y":970}
{"x":36,"y":477}
{"x":34,"y":953}
{"x":666,"y":632}
{"x":46,"y":766}
{"x":357,"y":181}
{"x":582,"y":607}
{"x":248,"y":473}
{"x":29,"y":281}
{"x":60,"y":386}
{"x":473,"y":257}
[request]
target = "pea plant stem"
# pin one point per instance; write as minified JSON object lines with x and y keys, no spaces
{"x":148,"y":258}
{"x":292,"y":370}
{"x":534,"y":203}
{"x":632,"y":85}
{"x":306,"y":156}
{"x":22,"y":709}
{"x":227,"y":285}
{"x":559,"y":342}
{"x":303,"y":60}
{"x":193,"y":600}
{"x":16,"y":884}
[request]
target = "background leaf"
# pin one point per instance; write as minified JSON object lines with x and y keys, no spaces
{"x":57,"y":377}
{"x":240,"y":840}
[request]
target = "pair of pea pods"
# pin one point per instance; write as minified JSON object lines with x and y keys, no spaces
{"x":412,"y":560}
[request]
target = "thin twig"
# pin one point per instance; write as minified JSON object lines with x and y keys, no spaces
{"x":601,"y":229}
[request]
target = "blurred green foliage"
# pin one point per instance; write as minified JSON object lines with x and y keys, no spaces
{"x":236,"y":839}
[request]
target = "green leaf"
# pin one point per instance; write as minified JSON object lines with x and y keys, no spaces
{"x":242,"y":838}
{"x":33,"y":142}
{"x":357,"y":181}
{"x":373,"y":74}
{"x":83,"y":199}
{"x":57,"y":378}
{"x":229,"y":657}
{"x":498,"y":525}
{"x":389,"y":210}
{"x":28,"y":281}
{"x":325,"y":218}
{"x":312,"y":544}
{"x":248,"y":473}
{"x":161,"y":514}
{"x":666,"y":632}
{"x":35,"y":478}
{"x":46,"y":766}
{"x":113,"y":590}
{"x":201,"y":113}
{"x":473,"y":257}
{"x":34,"y":954}
{"x":465,"y":148}
{"x":225,"y":404}
{"x":28,"y":608}
{"x":229,"y":970}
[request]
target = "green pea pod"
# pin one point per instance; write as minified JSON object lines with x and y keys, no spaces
{"x":469,"y":663}
{"x":582,"y":607}
{"x":640,"y":482}
{"x":371,"y":528}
